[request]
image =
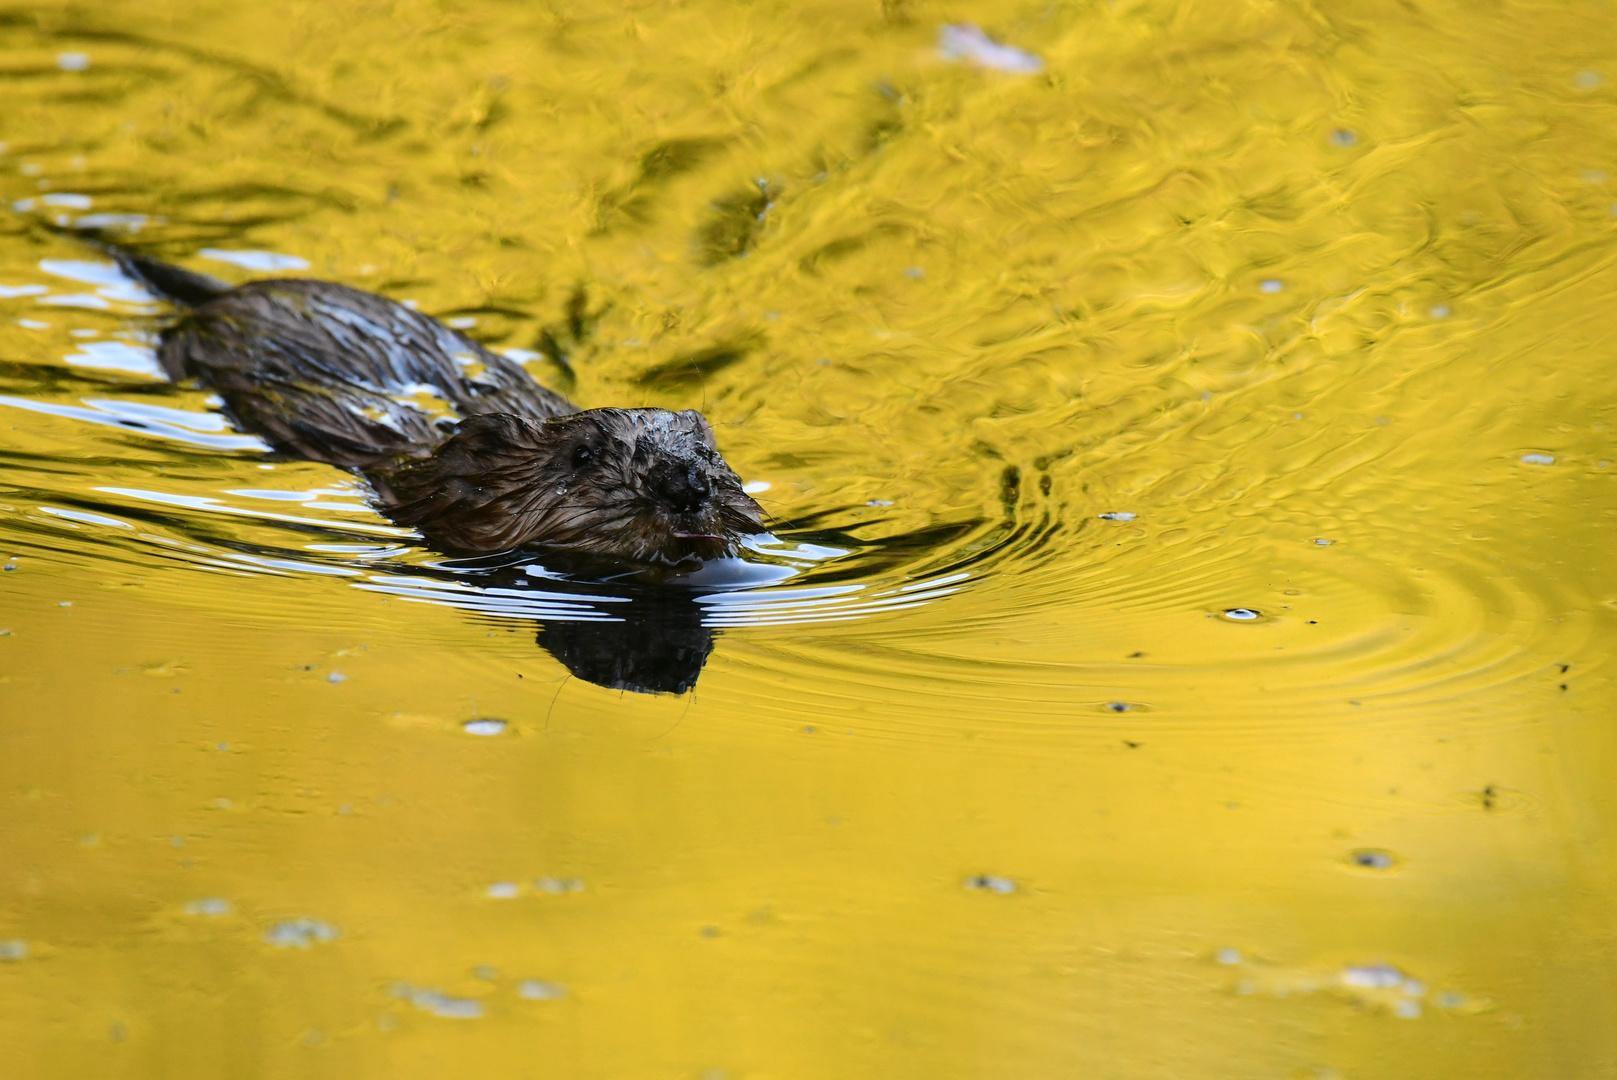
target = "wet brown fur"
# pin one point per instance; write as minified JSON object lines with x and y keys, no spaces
{"x":330,"y":373}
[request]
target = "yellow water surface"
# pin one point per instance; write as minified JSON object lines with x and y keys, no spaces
{"x":1192,"y":455}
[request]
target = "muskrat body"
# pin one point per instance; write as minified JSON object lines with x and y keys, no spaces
{"x":457,"y":441}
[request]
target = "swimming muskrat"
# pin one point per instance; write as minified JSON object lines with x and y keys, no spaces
{"x":457,"y":441}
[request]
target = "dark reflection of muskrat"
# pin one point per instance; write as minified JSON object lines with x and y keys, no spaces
{"x":457,"y":441}
{"x":627,"y":635}
{"x":659,"y":647}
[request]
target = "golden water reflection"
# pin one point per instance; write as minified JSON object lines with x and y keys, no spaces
{"x":1054,"y":377}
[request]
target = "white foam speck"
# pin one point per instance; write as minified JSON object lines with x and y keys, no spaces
{"x":1539,"y":459}
{"x":212,"y":906}
{"x":539,"y":990}
{"x":483,"y":727}
{"x":1372,"y":977}
{"x":438,"y":1003}
{"x":967,"y":42}
{"x":72,"y":61}
{"x":300,"y":933}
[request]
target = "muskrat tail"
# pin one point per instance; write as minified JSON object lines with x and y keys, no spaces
{"x":184,"y":287}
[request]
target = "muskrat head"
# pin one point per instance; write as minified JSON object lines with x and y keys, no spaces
{"x":605,"y":486}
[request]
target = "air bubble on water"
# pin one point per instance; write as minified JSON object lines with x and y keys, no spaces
{"x":1587,"y":80}
{"x":1321,"y":541}
{"x":300,"y":933}
{"x":1118,"y":706}
{"x":1240,"y":614}
{"x":1228,"y":955}
{"x":1270,"y":285}
{"x":879,"y":502}
{"x":72,"y":61}
{"x":1440,"y":311}
{"x":1372,"y":859}
{"x":1539,"y":459}
{"x":991,"y":883}
{"x":1117,"y":515}
{"x":915,"y":273}
{"x":539,"y":990}
{"x":15,"y":949}
{"x":1344,"y":138}
{"x":485,"y":726}
{"x":502,"y":890}
{"x":1406,"y":1009}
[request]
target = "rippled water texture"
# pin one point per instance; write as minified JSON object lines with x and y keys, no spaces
{"x":1187,"y":430}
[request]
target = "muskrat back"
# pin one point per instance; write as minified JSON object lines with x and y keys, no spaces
{"x":334,"y":374}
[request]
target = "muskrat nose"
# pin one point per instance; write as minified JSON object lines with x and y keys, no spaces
{"x":684,"y":489}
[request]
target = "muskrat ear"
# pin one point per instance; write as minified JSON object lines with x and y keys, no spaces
{"x":457,"y":497}
{"x":493,"y":432}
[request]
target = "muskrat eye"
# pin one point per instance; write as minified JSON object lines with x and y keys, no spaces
{"x":582,"y":457}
